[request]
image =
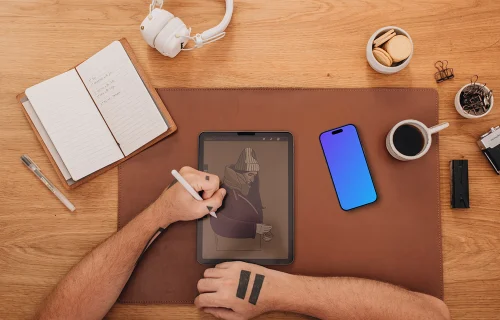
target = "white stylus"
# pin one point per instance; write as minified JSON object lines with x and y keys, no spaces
{"x":189,"y":189}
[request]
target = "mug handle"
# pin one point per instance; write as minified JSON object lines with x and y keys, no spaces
{"x":438,"y":127}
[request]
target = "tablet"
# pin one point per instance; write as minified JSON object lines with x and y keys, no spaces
{"x":255,"y":223}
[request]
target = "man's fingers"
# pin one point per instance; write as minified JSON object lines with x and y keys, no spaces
{"x":185,"y":170}
{"x":213,"y":273}
{"x":208,"y":285}
{"x":214,"y":203}
{"x":212,"y":299}
{"x":224,"y":265}
{"x":201,"y":181}
{"x":210,"y":185}
{"x":223,"y":313}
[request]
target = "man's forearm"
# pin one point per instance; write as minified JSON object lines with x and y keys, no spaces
{"x":353,"y":298}
{"x":90,"y":289}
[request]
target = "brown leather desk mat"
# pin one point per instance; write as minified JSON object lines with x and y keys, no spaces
{"x":397,"y":239}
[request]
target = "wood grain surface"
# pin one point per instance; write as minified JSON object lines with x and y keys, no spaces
{"x":293,"y":43}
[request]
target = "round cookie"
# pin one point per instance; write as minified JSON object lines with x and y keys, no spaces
{"x":385,"y":54}
{"x":384,"y":38}
{"x":399,"y":48}
{"x":382,"y":56}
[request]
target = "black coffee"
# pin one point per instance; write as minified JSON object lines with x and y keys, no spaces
{"x":408,"y":140}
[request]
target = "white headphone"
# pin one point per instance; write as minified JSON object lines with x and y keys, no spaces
{"x":169,"y":35}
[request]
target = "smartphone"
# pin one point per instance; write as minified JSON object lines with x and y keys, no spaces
{"x":348,"y":168}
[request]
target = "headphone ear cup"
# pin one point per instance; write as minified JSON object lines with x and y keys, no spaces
{"x":151,"y":27}
{"x":171,"y":38}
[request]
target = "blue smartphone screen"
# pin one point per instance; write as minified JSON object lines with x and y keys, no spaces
{"x":348,"y":167}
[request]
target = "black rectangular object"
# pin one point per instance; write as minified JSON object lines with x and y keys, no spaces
{"x":459,"y":183}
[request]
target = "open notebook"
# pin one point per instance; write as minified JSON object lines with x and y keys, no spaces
{"x":96,"y":114}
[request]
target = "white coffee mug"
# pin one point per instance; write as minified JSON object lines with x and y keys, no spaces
{"x":426,"y":134}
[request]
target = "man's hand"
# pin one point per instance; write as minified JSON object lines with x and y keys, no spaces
{"x":221,"y":295}
{"x":218,"y":291}
{"x":176,"y":204}
{"x":91,"y":288}
{"x":263,"y":228}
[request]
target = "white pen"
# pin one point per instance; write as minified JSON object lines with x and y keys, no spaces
{"x":34,"y":168}
{"x":189,"y":189}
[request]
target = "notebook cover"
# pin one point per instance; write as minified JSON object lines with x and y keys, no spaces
{"x":154,"y":95}
{"x":396,"y":240}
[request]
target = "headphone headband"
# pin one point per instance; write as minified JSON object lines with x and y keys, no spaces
{"x":153,"y":5}
{"x":215,"y":32}
{"x":169,"y":35}
{"x":218,"y":29}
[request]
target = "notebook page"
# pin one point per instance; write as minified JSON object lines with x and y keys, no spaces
{"x":46,"y":139}
{"x":74,"y":124}
{"x":122,"y":98}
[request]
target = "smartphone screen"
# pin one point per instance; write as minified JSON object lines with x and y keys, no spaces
{"x":348,"y":167}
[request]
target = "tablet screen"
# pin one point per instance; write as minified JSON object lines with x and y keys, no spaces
{"x":255,"y":222}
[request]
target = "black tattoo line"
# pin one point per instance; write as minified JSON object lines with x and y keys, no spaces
{"x":207,"y":178}
{"x":257,"y":285}
{"x":243,"y":284}
{"x":210,"y":208}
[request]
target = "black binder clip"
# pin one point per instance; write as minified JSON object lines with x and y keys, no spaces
{"x":444,"y":73}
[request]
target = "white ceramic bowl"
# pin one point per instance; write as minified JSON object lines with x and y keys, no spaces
{"x":461,"y":111}
{"x":377,"y":66}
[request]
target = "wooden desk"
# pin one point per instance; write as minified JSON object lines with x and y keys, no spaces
{"x":269,"y":44}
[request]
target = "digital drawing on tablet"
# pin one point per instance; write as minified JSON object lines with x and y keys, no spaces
{"x":255,"y":222}
{"x":242,"y":216}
